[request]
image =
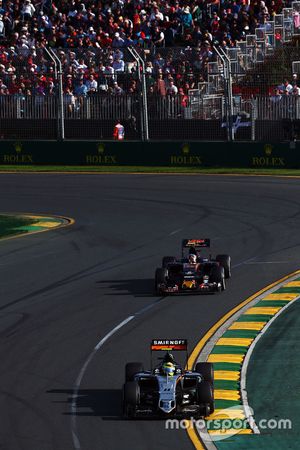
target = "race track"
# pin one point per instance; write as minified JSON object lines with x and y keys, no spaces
{"x":65,"y":290}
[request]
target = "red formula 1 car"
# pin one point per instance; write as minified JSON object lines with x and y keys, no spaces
{"x":192,"y":273}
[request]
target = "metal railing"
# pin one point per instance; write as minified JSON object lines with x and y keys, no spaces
{"x":193,"y":117}
{"x":235,"y":100}
{"x":34,"y":107}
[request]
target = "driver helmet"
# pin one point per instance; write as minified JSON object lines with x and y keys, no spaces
{"x":192,"y":259}
{"x":168,"y":369}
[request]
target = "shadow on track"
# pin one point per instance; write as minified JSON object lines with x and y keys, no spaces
{"x":105,"y":403}
{"x":135,"y":287}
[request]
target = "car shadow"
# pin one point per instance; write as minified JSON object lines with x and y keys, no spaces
{"x":135,"y":287}
{"x":139,"y":288}
{"x":105,"y":403}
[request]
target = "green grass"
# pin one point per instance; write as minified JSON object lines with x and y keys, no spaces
{"x":149,"y":169}
{"x":14,"y":225}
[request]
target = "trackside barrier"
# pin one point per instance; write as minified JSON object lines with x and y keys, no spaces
{"x":185,"y":154}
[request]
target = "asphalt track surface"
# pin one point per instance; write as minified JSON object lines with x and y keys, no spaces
{"x":63,"y":291}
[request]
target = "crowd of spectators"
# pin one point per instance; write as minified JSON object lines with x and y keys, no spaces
{"x":287,"y":88}
{"x":91,"y":39}
{"x":119,"y":23}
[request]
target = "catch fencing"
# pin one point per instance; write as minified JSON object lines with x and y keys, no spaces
{"x":242,"y":94}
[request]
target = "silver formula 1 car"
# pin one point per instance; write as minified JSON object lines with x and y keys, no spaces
{"x":199,"y":275}
{"x":168,"y":389}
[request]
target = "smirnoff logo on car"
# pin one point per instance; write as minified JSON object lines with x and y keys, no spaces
{"x":169,"y":342}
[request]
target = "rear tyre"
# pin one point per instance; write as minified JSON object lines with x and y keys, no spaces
{"x":218,"y":277}
{"x":225,"y":262}
{"x":167,"y":260}
{"x":131,"y":369}
{"x":206,"y":397}
{"x":160,"y":278}
{"x":131,"y":398}
{"x":206,"y":369}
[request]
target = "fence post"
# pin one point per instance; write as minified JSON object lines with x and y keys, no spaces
{"x":59,"y":76}
{"x":60,"y":96}
{"x":227,"y":91}
{"x":141,"y":63}
{"x":140,"y":80}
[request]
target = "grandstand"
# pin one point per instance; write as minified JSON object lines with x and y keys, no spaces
{"x":167,"y":69}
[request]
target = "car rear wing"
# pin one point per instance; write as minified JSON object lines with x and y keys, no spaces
{"x":169,"y":345}
{"x":196,"y":243}
{"x":193,"y":245}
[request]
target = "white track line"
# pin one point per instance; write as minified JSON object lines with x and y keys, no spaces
{"x":76,"y":388}
{"x":76,"y":441}
{"x":175,"y":232}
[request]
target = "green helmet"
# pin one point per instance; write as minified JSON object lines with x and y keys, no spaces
{"x":168,"y":369}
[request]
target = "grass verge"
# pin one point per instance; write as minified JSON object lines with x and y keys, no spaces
{"x":149,"y":169}
{"x":14,"y":225}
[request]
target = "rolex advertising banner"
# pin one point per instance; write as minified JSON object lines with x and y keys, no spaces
{"x":169,"y":154}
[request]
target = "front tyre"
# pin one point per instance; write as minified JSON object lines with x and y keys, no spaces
{"x":160,"y":278}
{"x":218,"y":276}
{"x":206,"y":397}
{"x":225,"y":261}
{"x":206,"y":369}
{"x":131,"y":398}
